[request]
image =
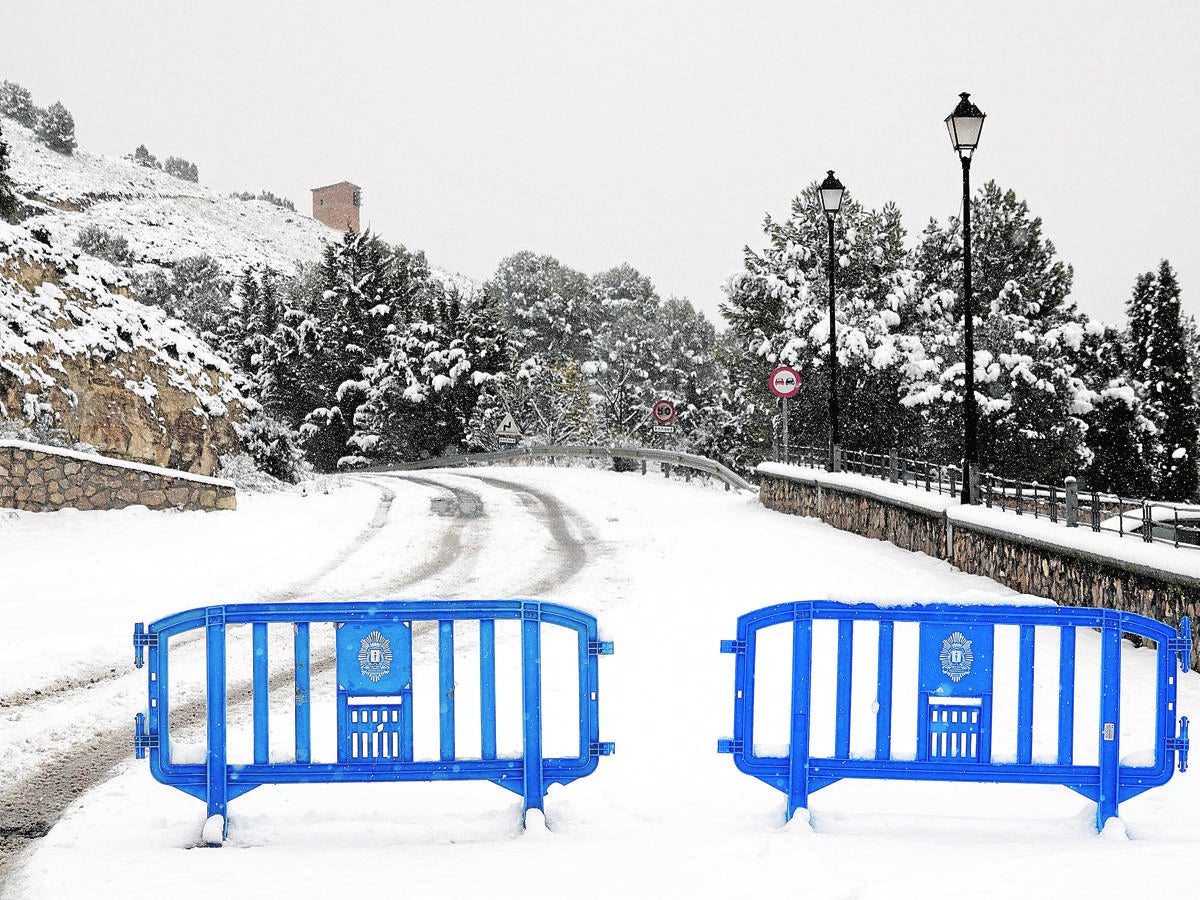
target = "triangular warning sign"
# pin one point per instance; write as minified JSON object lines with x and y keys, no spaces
{"x":508,"y":426}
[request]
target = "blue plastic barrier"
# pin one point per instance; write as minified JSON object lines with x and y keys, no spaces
{"x":955,"y":681}
{"x":374,"y":644}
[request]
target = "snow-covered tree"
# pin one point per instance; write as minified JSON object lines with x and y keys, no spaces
{"x":1027,"y":339}
{"x":10,"y":207}
{"x":1159,"y":355}
{"x":777,"y":308}
{"x":1120,"y":438}
{"x":181,"y":168}
{"x":17,"y":103}
{"x":144,"y":157}
{"x":196,"y":290}
{"x":56,"y":129}
{"x":551,"y":309}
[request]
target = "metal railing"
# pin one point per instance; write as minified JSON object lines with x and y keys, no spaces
{"x":1176,"y":524}
{"x":687,"y":461}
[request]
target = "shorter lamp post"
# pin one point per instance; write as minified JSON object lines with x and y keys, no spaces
{"x":831,"y":191}
{"x":964,"y":125}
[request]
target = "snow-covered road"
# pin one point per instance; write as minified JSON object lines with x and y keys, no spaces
{"x":666,"y":567}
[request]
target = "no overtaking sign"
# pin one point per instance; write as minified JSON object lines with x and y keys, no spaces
{"x":784,"y":382}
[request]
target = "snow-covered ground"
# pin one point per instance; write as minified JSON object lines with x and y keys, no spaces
{"x":667,"y":568}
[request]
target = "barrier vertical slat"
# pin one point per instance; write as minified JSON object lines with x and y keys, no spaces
{"x":845,"y":663}
{"x":262,"y":749}
{"x":214,"y":639}
{"x":531,"y":704}
{"x":1066,"y":695}
{"x":801,"y":696}
{"x":446,"y":688}
{"x":160,"y":714}
{"x":404,"y":648}
{"x":303,"y":710}
{"x":487,"y":688}
{"x":883,"y":699}
{"x":589,"y":690}
{"x":1110,"y":718}
{"x":1025,"y":697}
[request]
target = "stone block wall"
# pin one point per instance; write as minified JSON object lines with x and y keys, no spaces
{"x":1067,"y":576}
{"x":41,"y":479}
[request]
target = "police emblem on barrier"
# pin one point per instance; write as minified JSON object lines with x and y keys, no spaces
{"x":375,"y":656}
{"x":956,"y":656}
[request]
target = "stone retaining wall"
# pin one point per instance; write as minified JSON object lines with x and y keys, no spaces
{"x":1067,"y":576}
{"x":40,"y":479}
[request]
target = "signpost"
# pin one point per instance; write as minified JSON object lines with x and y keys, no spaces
{"x":508,"y":432}
{"x":784,"y":384}
{"x":663,"y":412}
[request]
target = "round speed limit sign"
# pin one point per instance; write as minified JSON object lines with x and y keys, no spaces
{"x":664,"y":412}
{"x":784,"y":382}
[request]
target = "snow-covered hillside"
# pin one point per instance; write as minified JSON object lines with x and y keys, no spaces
{"x":78,"y":354}
{"x":163,"y":218}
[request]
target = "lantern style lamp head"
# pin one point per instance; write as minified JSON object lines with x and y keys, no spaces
{"x":964,"y":125}
{"x":831,"y":194}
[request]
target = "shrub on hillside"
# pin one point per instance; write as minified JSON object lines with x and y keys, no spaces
{"x":56,"y":129}
{"x":17,"y":103}
{"x":102,"y":243}
{"x":181,"y":168}
{"x":143,"y":157}
{"x":281,"y":202}
{"x":272,"y":446}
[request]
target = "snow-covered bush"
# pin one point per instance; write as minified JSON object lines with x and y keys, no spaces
{"x":144,"y":157}
{"x":272,"y":446}
{"x":17,"y":103}
{"x":56,"y":129}
{"x":103,"y":244}
{"x":181,"y":168}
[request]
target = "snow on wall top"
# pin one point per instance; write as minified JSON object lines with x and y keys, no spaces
{"x":68,"y":310}
{"x":118,"y":463}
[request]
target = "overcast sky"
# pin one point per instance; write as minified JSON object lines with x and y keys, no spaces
{"x":653,"y":133}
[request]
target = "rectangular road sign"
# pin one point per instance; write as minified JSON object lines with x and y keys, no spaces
{"x":664,"y":429}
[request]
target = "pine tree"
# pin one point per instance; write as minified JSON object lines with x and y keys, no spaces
{"x":1119,"y":438}
{"x":17,"y":104}
{"x":181,"y":168}
{"x":1027,"y":333}
{"x":778,"y":312}
{"x":10,"y":207}
{"x":56,"y":129}
{"x":1159,"y":354}
{"x":144,"y":157}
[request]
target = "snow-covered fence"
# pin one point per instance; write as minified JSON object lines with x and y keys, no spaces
{"x":1072,"y":566}
{"x":1152,"y":521}
{"x":996,"y":694}
{"x":383,"y":694}
{"x":686,"y":461}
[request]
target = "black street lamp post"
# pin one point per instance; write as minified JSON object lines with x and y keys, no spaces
{"x":964,"y":125}
{"x":831,"y":191}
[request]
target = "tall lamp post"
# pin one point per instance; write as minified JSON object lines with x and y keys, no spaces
{"x":831,"y":191}
{"x":964,"y":125}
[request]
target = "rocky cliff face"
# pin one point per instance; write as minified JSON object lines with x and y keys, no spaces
{"x":78,"y":354}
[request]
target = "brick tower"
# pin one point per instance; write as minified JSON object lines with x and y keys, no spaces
{"x":337,"y":205}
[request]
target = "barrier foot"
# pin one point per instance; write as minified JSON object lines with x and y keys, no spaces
{"x":535,"y":823}
{"x":216,"y":828}
{"x":799,"y":823}
{"x":1114,"y":830}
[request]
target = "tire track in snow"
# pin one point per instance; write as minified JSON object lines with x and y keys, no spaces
{"x":554,"y":515}
{"x":30,"y":808}
{"x":57,"y":691}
